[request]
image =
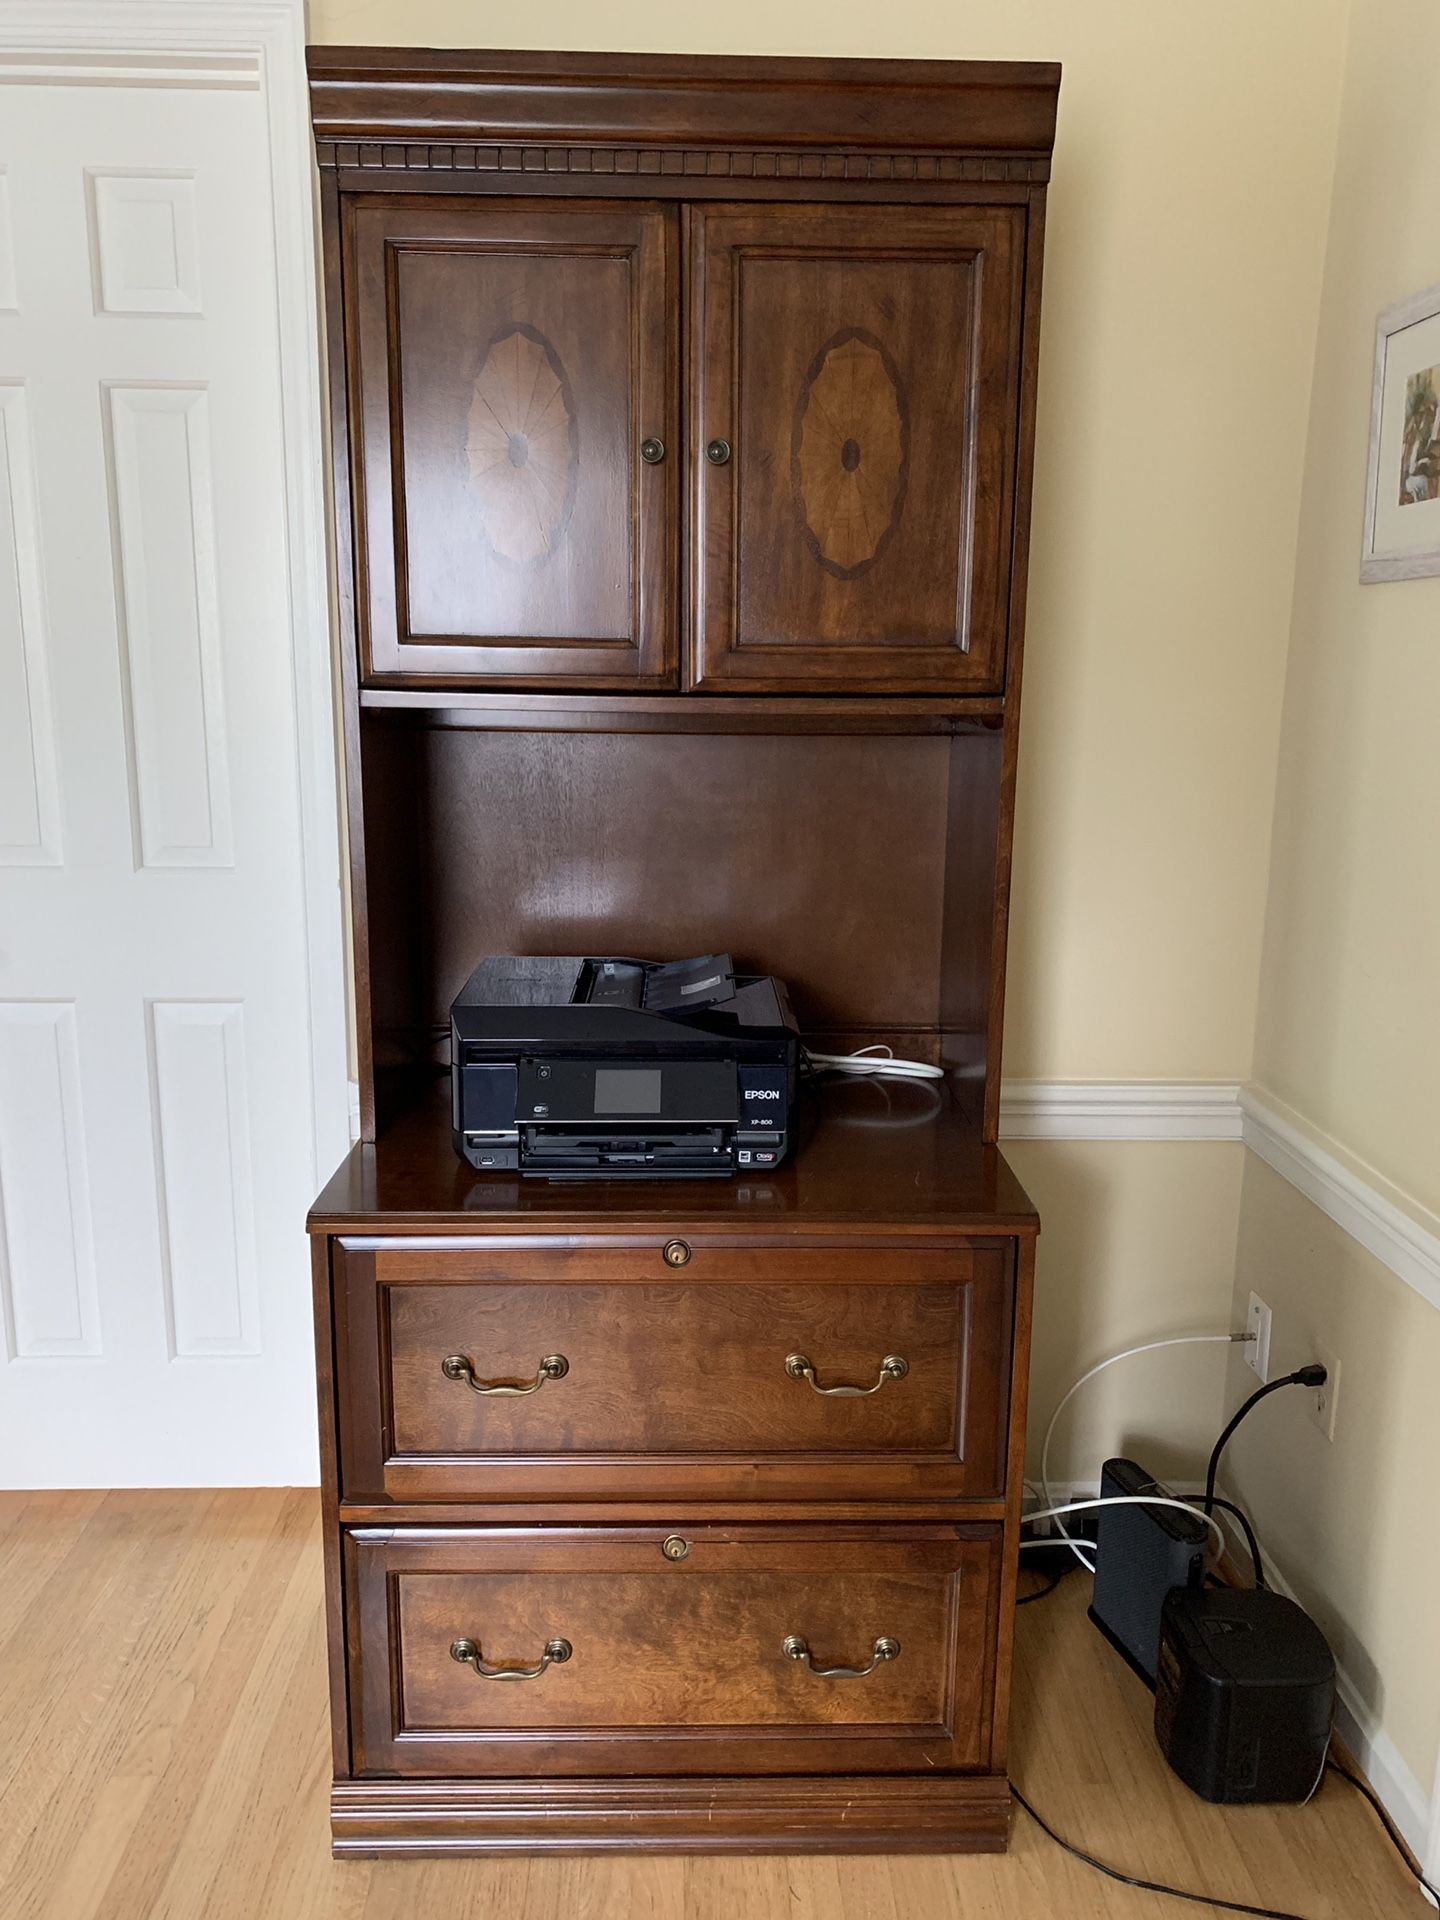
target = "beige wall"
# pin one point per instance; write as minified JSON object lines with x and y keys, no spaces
{"x":1137,"y":1243}
{"x":1349,"y":1032}
{"x":1183,"y":261}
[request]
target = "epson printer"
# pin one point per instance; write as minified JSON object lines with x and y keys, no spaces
{"x":577,"y":1068}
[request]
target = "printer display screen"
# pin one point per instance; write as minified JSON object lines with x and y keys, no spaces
{"x":627,"y":1090}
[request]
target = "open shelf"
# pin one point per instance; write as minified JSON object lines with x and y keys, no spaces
{"x":905,"y":1153}
{"x":863,"y":871}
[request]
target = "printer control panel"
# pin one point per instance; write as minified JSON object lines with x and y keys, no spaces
{"x":575,"y":1117}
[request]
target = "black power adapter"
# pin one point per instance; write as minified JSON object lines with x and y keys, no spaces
{"x":1245,"y":1694}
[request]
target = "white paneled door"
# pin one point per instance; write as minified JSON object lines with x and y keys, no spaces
{"x":171,"y":1018}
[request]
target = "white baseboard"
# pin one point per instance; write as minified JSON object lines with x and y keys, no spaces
{"x":1406,"y":1801}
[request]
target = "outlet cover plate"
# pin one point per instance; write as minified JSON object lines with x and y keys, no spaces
{"x":1257,"y":1347}
{"x":1325,"y":1401}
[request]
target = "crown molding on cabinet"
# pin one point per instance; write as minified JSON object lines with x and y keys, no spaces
{"x":678,"y":114}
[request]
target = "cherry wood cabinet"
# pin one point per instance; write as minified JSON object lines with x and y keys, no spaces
{"x":854,"y":383}
{"x":850,"y":417}
{"x":682,"y":419}
{"x":692,"y":1509}
{"x":809,"y":476}
{"x":515,"y":409}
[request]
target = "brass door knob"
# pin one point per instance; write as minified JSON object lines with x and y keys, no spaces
{"x":677,"y":1253}
{"x":718,"y":452}
{"x":652,"y":452}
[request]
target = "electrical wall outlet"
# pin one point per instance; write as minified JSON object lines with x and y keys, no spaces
{"x":1257,"y":1346}
{"x":1325,"y":1400}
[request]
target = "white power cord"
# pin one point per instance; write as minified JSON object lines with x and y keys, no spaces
{"x":1150,"y":1346}
{"x":877,"y":1059}
{"x":1124,"y":1500}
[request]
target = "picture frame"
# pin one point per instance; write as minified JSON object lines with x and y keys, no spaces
{"x":1402,"y":488}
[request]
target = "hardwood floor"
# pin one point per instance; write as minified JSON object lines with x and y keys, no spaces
{"x":163,"y":1756}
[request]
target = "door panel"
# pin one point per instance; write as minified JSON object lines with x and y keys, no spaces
{"x":861,"y":364}
{"x":511,"y":362}
{"x":678,"y":1649}
{"x":158,"y":1120}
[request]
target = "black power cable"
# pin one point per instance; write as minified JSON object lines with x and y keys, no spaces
{"x":1052,"y":1581}
{"x":1251,"y":1543}
{"x":1311,"y":1376}
{"x":1228,"y":1506}
{"x":1153,"y":1886}
{"x":1364,"y":1788}
{"x":1210,"y":1899}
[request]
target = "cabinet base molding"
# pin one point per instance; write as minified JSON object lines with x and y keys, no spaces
{"x":892,"y":1813}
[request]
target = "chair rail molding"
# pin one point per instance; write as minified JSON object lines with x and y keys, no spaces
{"x":1390,"y":1224}
{"x":1119,"y":1110}
{"x":256,"y":44}
{"x":1400,"y":1232}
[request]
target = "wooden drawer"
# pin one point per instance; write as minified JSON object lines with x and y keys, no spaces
{"x":673,"y":1383}
{"x":675,"y":1665}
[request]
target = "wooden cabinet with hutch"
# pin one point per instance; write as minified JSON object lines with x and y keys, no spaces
{"x":682,"y":414}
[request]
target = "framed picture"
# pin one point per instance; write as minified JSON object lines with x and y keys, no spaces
{"x":1402,"y":492}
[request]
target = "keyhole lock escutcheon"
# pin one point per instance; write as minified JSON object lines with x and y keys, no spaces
{"x":674,"y":1547}
{"x":677,"y":1253}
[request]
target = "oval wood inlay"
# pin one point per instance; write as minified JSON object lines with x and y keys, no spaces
{"x":850,"y":452}
{"x":523,"y":445}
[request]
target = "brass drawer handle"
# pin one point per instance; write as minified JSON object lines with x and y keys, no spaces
{"x":456,"y":1366}
{"x":795,"y":1648}
{"x":467,"y":1652}
{"x":892,"y":1367}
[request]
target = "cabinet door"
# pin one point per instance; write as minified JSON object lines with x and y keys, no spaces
{"x":857,"y":385}
{"x":513,"y":393}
